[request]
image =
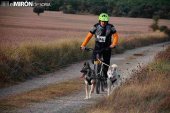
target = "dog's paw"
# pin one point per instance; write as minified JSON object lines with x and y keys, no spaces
{"x":86,"y":98}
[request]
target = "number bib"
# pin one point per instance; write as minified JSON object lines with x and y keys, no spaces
{"x":101,"y":38}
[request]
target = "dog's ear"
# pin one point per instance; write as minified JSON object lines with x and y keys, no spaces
{"x":85,"y":63}
{"x":84,"y":69}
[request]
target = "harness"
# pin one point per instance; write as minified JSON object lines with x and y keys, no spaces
{"x":89,"y":76}
{"x":103,"y":35}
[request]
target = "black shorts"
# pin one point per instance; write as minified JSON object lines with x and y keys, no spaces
{"x":106,"y":55}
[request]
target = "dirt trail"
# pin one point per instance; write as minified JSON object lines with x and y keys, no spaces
{"x":127,"y":62}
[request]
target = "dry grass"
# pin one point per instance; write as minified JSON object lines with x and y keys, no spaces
{"x":141,"y":40}
{"x":36,"y":45}
{"x":18,"y":63}
{"x":42,"y":94}
{"x":28,"y":60}
{"x":147,"y":92}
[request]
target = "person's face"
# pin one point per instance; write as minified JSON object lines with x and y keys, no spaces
{"x":103,"y":23}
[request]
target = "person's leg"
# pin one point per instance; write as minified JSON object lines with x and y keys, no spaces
{"x":93,"y":56}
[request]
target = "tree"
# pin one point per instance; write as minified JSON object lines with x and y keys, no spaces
{"x":132,"y":8}
{"x":38,"y":10}
{"x":56,"y":5}
{"x":155,"y":26}
{"x":69,"y":9}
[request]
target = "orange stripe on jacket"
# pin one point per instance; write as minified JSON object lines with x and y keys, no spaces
{"x":115,"y":39}
{"x":88,"y":37}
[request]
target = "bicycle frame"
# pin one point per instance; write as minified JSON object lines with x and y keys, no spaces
{"x":97,"y":63}
{"x":98,"y":68}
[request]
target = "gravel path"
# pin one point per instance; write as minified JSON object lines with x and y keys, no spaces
{"x":127,"y":62}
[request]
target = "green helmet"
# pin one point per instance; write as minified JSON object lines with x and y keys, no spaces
{"x":104,"y":17}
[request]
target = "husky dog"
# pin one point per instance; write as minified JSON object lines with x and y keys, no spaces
{"x":113,"y":77}
{"x":89,"y":79}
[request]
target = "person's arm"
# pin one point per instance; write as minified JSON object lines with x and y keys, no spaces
{"x":115,"y":38}
{"x":88,"y":37}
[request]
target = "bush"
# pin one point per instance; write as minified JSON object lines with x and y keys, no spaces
{"x":55,"y":5}
{"x":38,"y":10}
{"x":135,"y":12}
{"x":163,"y":28}
{"x":155,"y":26}
{"x":68,"y":9}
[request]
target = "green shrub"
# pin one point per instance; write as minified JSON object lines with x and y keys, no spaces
{"x":38,"y":10}
{"x":155,"y":26}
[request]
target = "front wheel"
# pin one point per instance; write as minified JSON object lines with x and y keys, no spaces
{"x":98,"y":81}
{"x":97,"y":86}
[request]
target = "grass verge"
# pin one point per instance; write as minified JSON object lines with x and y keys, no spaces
{"x":18,"y":63}
{"x":41,"y":94}
{"x":147,"y":92}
